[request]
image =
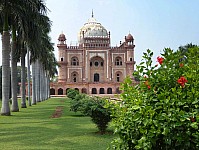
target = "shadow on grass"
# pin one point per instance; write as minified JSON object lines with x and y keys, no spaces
{"x":77,"y":115}
{"x":32,"y":128}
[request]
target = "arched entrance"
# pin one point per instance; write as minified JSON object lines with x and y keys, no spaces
{"x":96,"y":77}
{"x":94,"y":91}
{"x":109,"y":91}
{"x":52,"y":91}
{"x":97,"y":69}
{"x":77,"y":89}
{"x":118,"y":91}
{"x":101,"y":91}
{"x":67,"y":90}
{"x":60,"y":91}
{"x":118,"y":76}
{"x":74,"y":77}
{"x":84,"y":90}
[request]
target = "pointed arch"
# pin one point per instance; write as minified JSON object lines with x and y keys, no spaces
{"x":94,"y":91}
{"x":109,"y":91}
{"x":118,"y":61}
{"x":74,"y":77}
{"x":84,"y":90}
{"x":101,"y":91}
{"x":52,"y":91}
{"x":96,"y":77}
{"x":118,"y":91}
{"x":74,"y":61}
{"x":60,"y":91}
{"x":118,"y":76}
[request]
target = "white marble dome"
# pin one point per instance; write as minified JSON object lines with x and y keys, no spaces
{"x":92,"y":29}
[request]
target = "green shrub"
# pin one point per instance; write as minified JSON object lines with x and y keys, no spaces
{"x":76,"y":102}
{"x":71,"y":93}
{"x":93,"y":107}
{"x":100,"y":115}
{"x":162,"y":112}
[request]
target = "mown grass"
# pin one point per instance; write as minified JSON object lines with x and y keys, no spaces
{"x":33,"y":128}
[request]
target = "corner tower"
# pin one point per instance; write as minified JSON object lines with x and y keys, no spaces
{"x":129,"y":44}
{"x":62,"y":58}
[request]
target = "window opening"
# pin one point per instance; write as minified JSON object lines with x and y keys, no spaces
{"x":96,"y":77}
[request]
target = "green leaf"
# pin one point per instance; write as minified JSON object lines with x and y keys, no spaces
{"x":194,"y":125}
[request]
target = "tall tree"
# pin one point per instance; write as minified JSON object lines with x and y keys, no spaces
{"x":5,"y":109}
{"x":28,"y":75}
{"x":14,"y":9}
{"x":14,"y":58}
{"x":23,"y":81}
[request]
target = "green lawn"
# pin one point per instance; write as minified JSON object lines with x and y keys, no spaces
{"x":34,"y":128}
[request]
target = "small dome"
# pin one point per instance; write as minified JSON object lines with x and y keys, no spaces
{"x":62,"y":37}
{"x":129,"y":37}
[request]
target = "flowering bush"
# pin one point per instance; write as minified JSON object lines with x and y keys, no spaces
{"x":162,"y":112}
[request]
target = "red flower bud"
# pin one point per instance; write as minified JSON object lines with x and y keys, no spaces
{"x":160,"y":60}
{"x":192,"y":119}
{"x":181,"y":65}
{"x":182,"y":80}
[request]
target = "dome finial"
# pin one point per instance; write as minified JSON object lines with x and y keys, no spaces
{"x":92,"y":14}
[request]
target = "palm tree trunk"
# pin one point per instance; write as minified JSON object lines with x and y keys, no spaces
{"x":28,"y":75}
{"x":37,"y":81}
{"x":15,"y":107}
{"x":23,"y":84}
{"x":33,"y":85}
{"x":5,"y":109}
{"x":48,"y":86}
{"x":41,"y":82}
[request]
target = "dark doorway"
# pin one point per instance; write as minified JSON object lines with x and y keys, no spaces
{"x":96,"y":77}
{"x":52,"y":91}
{"x":84,"y":90}
{"x":109,"y":91}
{"x":77,"y":89}
{"x":101,"y":91}
{"x":67,"y":90}
{"x":118,"y":90}
{"x":118,"y":77}
{"x":94,"y":91}
{"x":60,"y":91}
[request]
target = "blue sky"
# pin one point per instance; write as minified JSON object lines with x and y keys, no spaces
{"x":155,"y":24}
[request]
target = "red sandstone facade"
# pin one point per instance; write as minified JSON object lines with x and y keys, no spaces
{"x":93,"y":67}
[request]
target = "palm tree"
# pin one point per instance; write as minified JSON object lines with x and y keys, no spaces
{"x":38,"y":82}
{"x":28,"y":75}
{"x":14,"y":58}
{"x":13,"y":9}
{"x":23,"y":77}
{"x":5,"y":110}
{"x":33,"y":85}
